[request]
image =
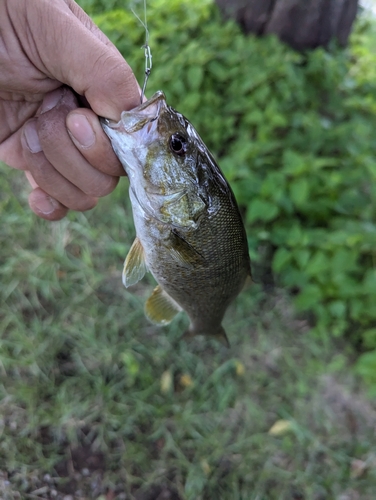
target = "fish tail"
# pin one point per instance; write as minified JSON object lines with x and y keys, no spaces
{"x":219,"y":334}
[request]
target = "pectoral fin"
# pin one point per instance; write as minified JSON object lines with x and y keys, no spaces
{"x":134,"y":265}
{"x":160,"y":308}
{"x":184,"y":253}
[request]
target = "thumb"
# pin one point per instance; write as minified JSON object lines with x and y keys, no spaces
{"x":72,"y":50}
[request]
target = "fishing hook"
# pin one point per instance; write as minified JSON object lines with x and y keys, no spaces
{"x":148,"y":66}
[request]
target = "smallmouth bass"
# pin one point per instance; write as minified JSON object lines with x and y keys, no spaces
{"x":190,"y":234}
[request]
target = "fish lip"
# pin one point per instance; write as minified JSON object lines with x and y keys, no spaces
{"x":159,"y":97}
{"x":138,"y":117}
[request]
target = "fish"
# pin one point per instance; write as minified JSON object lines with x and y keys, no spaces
{"x":189,"y":230}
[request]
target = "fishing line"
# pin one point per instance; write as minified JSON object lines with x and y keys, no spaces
{"x":146,"y":47}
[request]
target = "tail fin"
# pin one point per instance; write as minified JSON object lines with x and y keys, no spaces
{"x":219,"y":334}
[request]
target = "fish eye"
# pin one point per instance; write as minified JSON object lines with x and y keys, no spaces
{"x":178,"y":144}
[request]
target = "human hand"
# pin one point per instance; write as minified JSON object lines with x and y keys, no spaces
{"x":48,"y":48}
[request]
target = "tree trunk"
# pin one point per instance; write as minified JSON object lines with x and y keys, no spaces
{"x":304,"y":24}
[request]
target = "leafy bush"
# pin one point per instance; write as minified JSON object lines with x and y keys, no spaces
{"x":294,"y":135}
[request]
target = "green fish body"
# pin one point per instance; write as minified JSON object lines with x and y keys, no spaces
{"x":190,"y":234}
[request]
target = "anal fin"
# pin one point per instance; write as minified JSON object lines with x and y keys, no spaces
{"x":160,"y":308}
{"x":134,"y":265}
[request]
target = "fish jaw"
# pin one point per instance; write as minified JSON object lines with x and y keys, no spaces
{"x":136,"y":119}
{"x":135,"y":130}
{"x":133,"y":120}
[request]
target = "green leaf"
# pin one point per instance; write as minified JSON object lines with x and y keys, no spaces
{"x":299,"y":190}
{"x":302,"y":257}
{"x":337,"y":308}
{"x":366,"y":367}
{"x":195,"y":75}
{"x":281,"y":258}
{"x":261,"y":210}
{"x":293,"y":162}
{"x":318,"y":264}
{"x":369,"y":282}
{"x":369,"y":338}
{"x":308,"y":298}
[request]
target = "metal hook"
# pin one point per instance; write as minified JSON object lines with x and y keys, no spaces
{"x":148,"y":66}
{"x":148,"y":56}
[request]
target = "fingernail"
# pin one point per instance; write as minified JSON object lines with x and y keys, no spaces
{"x":45,"y":204}
{"x":51,"y":100}
{"x":80,"y":129}
{"x":31,"y":137}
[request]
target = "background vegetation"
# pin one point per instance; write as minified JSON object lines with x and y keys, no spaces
{"x":96,"y":402}
{"x":294,"y":134}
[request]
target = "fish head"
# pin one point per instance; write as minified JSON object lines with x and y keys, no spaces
{"x":168,"y":165}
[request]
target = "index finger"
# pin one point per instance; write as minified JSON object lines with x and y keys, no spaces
{"x":74,"y":54}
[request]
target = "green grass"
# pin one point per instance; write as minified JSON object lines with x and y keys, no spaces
{"x":87,"y":383}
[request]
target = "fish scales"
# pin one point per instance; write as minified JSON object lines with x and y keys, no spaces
{"x":214,"y":278}
{"x":190,"y":234}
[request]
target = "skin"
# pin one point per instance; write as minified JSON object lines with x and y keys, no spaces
{"x":58,"y":72}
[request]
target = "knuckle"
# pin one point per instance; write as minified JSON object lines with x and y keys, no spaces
{"x":80,"y":203}
{"x":98,"y":188}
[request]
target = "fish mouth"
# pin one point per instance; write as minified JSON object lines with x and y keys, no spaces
{"x":145,"y":114}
